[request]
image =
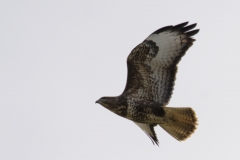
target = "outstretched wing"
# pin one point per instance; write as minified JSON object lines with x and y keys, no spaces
{"x":152,"y":65}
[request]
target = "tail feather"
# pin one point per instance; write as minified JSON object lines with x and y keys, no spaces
{"x":179,"y":122}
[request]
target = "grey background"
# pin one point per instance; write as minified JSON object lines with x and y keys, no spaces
{"x":58,"y":57}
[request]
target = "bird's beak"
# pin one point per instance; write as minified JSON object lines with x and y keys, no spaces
{"x":97,"y":101}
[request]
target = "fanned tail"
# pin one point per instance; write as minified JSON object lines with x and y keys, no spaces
{"x":179,"y":122}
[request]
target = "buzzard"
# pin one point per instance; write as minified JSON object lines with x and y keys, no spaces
{"x":152,"y":67}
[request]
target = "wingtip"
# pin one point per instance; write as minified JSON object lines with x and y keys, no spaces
{"x":192,"y":33}
{"x":184,"y":23}
{"x":194,"y":25}
{"x":155,"y":142}
{"x":181,"y":25}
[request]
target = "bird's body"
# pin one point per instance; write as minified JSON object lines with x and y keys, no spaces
{"x":152,"y":67}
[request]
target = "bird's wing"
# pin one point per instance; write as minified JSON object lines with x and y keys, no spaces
{"x":149,"y":130}
{"x":152,"y":65}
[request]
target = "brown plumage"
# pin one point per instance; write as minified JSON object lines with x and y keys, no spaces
{"x":181,"y":122}
{"x":152,"y":67}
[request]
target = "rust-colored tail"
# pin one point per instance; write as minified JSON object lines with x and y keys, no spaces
{"x":179,"y":122}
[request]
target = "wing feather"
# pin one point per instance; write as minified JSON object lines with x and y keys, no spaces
{"x":149,"y":130}
{"x":152,"y":65}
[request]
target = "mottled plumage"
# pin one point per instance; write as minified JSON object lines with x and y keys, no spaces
{"x":152,"y":67}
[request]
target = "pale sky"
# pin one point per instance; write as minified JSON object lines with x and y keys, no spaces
{"x":58,"y":57}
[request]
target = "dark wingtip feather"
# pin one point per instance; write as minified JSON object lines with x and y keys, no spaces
{"x":179,"y":26}
{"x":192,"y":33}
{"x":154,"y":140}
{"x":153,"y":137}
{"x":162,"y":29}
{"x":187,"y":28}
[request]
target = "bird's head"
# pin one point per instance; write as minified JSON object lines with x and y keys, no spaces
{"x":108,"y":102}
{"x":113,"y":104}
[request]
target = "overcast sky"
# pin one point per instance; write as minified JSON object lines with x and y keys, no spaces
{"x":58,"y":57}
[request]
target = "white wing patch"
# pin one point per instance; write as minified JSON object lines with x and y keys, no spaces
{"x":170,"y":44}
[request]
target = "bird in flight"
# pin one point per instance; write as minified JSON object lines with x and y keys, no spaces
{"x":152,"y":68}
